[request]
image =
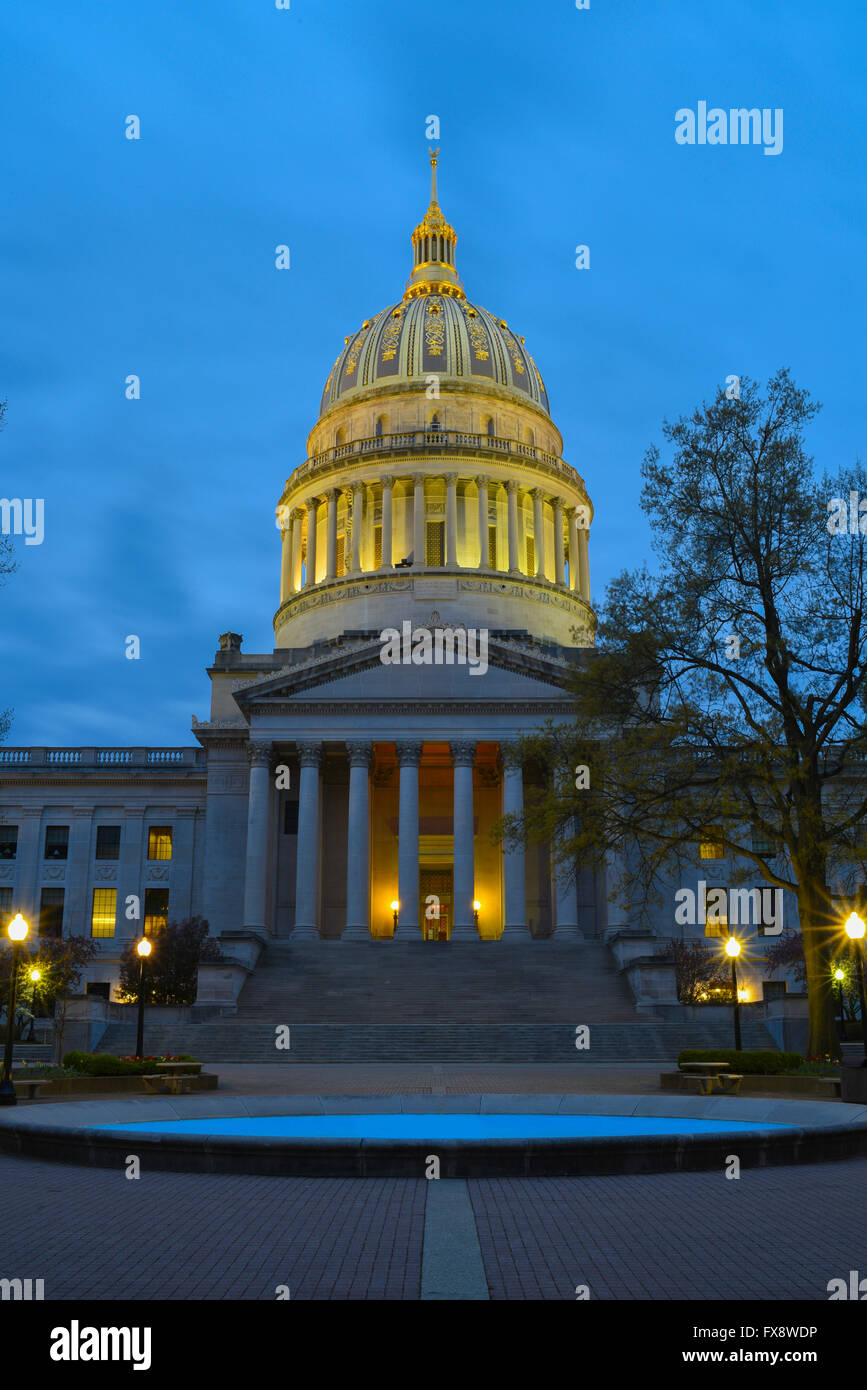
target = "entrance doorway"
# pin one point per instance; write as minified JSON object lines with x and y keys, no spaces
{"x":436,"y":883}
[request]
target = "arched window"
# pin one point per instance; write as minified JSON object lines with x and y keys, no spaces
{"x":378,"y":428}
{"x":529,"y":437}
{"x":340,"y":437}
{"x":434,"y":422}
{"x":490,"y":427}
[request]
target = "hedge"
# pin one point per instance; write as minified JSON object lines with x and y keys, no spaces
{"x":747,"y":1063}
{"x":104,"y":1064}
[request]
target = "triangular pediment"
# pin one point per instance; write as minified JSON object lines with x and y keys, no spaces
{"x":506,"y":671}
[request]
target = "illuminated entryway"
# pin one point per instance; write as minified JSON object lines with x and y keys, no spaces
{"x":436,"y":883}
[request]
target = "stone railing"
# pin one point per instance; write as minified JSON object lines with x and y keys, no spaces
{"x":425,"y":441}
{"x":102,"y":757}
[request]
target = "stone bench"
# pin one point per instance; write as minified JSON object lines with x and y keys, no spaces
{"x":168,"y":1084}
{"x":706,"y":1080}
{"x":29,"y":1088}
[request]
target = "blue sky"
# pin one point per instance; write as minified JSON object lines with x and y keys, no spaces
{"x":306,"y":127}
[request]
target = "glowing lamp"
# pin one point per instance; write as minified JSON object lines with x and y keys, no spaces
{"x":144,"y":947}
{"x":733,"y":947}
{"x":854,"y":927}
{"x":18,"y":928}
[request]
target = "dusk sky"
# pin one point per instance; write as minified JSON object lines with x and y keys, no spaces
{"x":306,"y":127}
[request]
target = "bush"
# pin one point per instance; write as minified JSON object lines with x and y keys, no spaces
{"x":747,"y":1063}
{"x":104,"y":1064}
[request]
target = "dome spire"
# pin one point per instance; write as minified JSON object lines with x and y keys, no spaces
{"x":433,"y":244}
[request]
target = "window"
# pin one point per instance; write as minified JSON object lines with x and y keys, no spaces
{"x":108,"y":841}
{"x":717,"y":923}
{"x":56,"y":841}
{"x":100,"y":988}
{"x":377,"y":547}
{"x":434,"y":423}
{"x":492,"y":547}
{"x":434,"y":544}
{"x":766,"y":848}
{"x":290,"y":818}
{"x":51,"y":912}
{"x":104,"y":912}
{"x":8,"y":841}
{"x":341,"y":546}
{"x":490,"y":427}
{"x":711,"y":846}
{"x":531,"y":555}
{"x":381,"y":426}
{"x":6,"y":913}
{"x":160,"y":842}
{"x":156,"y":913}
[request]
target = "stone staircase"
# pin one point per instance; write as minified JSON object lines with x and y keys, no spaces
{"x":432,"y":1002}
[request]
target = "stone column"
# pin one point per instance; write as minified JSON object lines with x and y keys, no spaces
{"x":559,"y":550}
{"x":355,"y":565}
{"x":539,"y":530}
{"x":418,"y":546}
{"x":409,"y":757}
{"x":77,"y":870}
{"x":565,"y":898}
{"x":331,"y":534}
{"x":297,"y":533}
{"x":28,"y":860}
{"x":463,"y":848}
{"x":514,"y":871}
{"x":584,"y":562}
{"x":129,"y":873}
{"x":573,"y":548}
{"x":512,"y":489}
{"x":307,"y":871}
{"x":286,"y":558}
{"x":387,"y":557}
{"x":183,"y":853}
{"x":358,"y":843}
{"x":482,"y":485}
{"x":312,"y":509}
{"x":258,"y":803}
{"x":451,"y":519}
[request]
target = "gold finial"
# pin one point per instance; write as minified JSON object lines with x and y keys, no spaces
{"x":433,"y":172}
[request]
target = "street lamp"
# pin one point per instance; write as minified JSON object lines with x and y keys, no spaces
{"x":733,"y":949}
{"x":18,"y":930}
{"x":855,"y":929}
{"x":395,"y":909}
{"x":476,"y":909}
{"x":144,"y":950}
{"x":839,"y":976}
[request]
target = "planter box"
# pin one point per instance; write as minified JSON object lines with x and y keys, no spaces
{"x":854,"y":1088}
{"x":96,"y":1085}
{"x":818,"y":1087}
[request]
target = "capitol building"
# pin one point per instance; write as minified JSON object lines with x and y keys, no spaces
{"x":331,"y":794}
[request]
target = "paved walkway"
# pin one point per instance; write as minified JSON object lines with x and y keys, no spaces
{"x":778,"y":1233}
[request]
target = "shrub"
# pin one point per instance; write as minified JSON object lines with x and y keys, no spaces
{"x":104,"y":1064}
{"x":747,"y":1063}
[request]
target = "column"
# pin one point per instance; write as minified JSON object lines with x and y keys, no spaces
{"x":358,"y":843}
{"x":312,"y":508}
{"x":418,"y":546}
{"x":28,"y":861}
{"x":514,"y":872}
{"x":565,"y":896}
{"x":258,"y":802}
{"x":331,"y":534}
{"x":512,"y":489}
{"x":355,"y":565}
{"x":297,"y":533}
{"x":183,"y":855}
{"x":129,"y":875}
{"x":286,"y":559}
{"x":307,"y":869}
{"x":451,"y":518}
{"x":573,"y":548}
{"x":78,"y":872}
{"x":409,"y":757}
{"x":539,"y":531}
{"x":463,"y":849}
{"x":559,"y":552}
{"x":387,"y":559}
{"x":584,"y":562}
{"x":482,"y":485}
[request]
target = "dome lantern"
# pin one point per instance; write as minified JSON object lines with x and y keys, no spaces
{"x":433,"y":245}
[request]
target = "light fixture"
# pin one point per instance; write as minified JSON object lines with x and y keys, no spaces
{"x":854,"y":926}
{"x":17,"y":928}
{"x":395,"y":909}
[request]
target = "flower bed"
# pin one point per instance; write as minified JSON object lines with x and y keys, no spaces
{"x":105,"y":1064}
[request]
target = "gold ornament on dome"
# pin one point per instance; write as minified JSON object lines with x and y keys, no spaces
{"x":434,"y":331}
{"x":391,"y":336}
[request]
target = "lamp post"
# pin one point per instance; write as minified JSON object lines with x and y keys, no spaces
{"x":144,"y":950}
{"x":395,"y":909}
{"x":855,"y":931}
{"x":839,"y":976}
{"x":18,"y":930}
{"x":733,"y":949}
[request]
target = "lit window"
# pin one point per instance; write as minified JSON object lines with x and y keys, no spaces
{"x":712,"y":847}
{"x":717,"y":918}
{"x":434,"y":544}
{"x":531,"y":555}
{"x":160,"y":842}
{"x":156,"y":914}
{"x":104,"y":912}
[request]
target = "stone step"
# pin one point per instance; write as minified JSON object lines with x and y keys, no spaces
{"x":236,"y":1041}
